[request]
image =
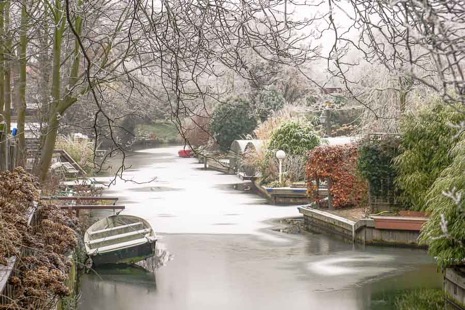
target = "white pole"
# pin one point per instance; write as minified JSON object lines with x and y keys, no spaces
{"x":280,"y":155}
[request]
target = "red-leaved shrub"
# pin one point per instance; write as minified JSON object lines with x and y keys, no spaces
{"x":338,"y":164}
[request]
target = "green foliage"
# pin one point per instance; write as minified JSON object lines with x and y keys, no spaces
{"x":445,"y":231}
{"x":343,"y":120}
{"x":311,"y":100}
{"x":268,"y":101}
{"x":231,"y":121}
{"x":126,"y":130}
{"x":339,"y":100}
{"x":294,"y":138}
{"x":424,"y":299}
{"x":376,"y":154}
{"x":426,"y":141}
{"x":161,"y":131}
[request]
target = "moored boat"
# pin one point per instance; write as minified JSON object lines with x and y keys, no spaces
{"x":186,"y":153}
{"x":120,"y":239}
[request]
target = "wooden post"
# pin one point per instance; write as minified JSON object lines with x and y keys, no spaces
{"x":316,"y":193}
{"x":7,"y":153}
{"x":330,"y":196}
{"x":3,"y":159}
{"x":327,"y":123}
{"x":12,"y":154}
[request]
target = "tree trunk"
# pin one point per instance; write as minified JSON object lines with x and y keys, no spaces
{"x":8,"y":59}
{"x":2,"y":89}
{"x":21,"y":113}
{"x":406,"y":84}
{"x":51,"y":130}
{"x":48,"y":147}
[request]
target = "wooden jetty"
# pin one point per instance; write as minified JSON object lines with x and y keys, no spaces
{"x":77,"y":203}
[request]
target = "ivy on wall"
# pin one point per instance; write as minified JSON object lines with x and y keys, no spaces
{"x":375,"y":163}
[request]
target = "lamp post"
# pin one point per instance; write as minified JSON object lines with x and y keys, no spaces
{"x":325,"y":121}
{"x":280,"y":155}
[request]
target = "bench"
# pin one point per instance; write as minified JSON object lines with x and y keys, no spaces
{"x":105,"y":241}
{"x":69,"y":168}
{"x":119,"y":236}
{"x":117,"y":246}
{"x":132,"y":226}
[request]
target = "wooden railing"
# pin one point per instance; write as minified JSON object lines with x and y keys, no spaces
{"x":8,"y":150}
{"x":76,"y":203}
{"x":7,"y":290}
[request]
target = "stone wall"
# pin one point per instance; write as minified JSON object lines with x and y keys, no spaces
{"x":324,"y":222}
{"x":283,"y":195}
{"x":363,"y":231}
{"x":394,"y":237}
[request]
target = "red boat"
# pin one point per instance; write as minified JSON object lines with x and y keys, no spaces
{"x":186,"y":153}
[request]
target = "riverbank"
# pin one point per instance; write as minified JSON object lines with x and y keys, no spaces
{"x":377,"y":230}
{"x":352,"y":224}
{"x":231,"y":250}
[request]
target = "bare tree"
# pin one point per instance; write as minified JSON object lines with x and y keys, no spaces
{"x":189,"y":46}
{"x":90,"y":46}
{"x":92,"y":50}
{"x":420,"y":42}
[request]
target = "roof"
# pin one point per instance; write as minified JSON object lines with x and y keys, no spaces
{"x":240,"y":146}
{"x":338,"y":140}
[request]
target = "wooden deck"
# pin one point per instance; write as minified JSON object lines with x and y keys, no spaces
{"x":80,"y":198}
{"x":69,"y":165}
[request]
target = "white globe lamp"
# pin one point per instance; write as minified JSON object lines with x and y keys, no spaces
{"x":280,"y":155}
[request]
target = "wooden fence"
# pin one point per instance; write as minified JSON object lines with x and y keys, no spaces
{"x":8,"y":150}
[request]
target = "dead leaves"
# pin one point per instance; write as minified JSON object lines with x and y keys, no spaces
{"x":42,"y":250}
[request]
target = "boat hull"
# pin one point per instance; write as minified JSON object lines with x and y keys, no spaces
{"x":128,"y":255}
{"x":119,"y":239}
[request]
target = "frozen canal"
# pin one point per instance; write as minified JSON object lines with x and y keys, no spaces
{"x":227,"y":255}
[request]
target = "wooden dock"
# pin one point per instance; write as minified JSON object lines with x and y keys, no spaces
{"x":77,"y":203}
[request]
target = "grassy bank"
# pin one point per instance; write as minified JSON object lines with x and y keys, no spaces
{"x":424,"y":299}
{"x":158,"y":132}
